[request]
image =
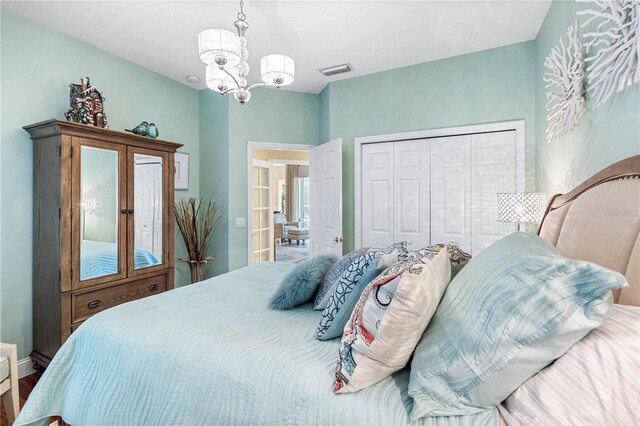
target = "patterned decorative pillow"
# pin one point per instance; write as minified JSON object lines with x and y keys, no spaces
{"x":330,"y":280}
{"x":514,"y":309}
{"x":393,"y":253}
{"x":457,"y":257}
{"x":389,"y":319}
{"x":350,"y":285}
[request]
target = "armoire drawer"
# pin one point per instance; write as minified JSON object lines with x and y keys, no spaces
{"x":86,"y":304}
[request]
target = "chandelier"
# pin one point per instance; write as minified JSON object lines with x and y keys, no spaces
{"x":226,"y":54}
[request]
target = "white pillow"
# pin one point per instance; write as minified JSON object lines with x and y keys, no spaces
{"x":597,"y":382}
{"x":389,"y":318}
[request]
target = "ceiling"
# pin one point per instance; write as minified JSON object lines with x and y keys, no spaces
{"x":371,"y":35}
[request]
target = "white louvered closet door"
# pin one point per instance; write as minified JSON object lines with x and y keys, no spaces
{"x":377,"y":194}
{"x":437,"y":190}
{"x":451,"y":190}
{"x":411,"y":183}
{"x":493,"y":170}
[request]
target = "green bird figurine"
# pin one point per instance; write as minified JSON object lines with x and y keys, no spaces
{"x":152,"y":131}
{"x":140,"y":129}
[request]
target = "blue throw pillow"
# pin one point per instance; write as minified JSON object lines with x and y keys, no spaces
{"x":330,"y":280}
{"x":346,"y":294}
{"x":351,"y":284}
{"x":511,"y":311}
{"x":301,"y":283}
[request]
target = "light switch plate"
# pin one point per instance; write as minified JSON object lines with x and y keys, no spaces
{"x":241,"y":222}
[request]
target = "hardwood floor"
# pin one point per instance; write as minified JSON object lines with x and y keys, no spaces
{"x":26,"y":385}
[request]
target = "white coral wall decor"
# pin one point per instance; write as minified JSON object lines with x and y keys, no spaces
{"x":564,"y":80}
{"x":613,"y":47}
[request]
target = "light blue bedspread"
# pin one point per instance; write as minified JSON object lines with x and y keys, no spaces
{"x":100,"y":258}
{"x":212,"y":353}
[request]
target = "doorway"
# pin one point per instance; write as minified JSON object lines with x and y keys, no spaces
{"x":278,"y":203}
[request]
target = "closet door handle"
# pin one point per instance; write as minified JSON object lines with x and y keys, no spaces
{"x":94,"y":304}
{"x":123,"y":211}
{"x":153,"y":287}
{"x":130,"y":211}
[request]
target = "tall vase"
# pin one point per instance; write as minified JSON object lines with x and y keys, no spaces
{"x":197,"y":269}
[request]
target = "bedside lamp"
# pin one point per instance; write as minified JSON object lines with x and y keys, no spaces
{"x":520,"y":207}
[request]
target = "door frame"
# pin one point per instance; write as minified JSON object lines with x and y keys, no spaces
{"x":263,"y":145}
{"x":516,"y":125}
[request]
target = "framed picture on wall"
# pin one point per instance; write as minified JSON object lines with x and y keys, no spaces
{"x":181,"y":181}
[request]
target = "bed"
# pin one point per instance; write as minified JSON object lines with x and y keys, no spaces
{"x":213,"y":353}
{"x":100,"y":258}
{"x":202,"y":354}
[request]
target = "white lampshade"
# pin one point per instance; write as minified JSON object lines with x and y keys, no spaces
{"x":277,"y":70}
{"x":521,"y":207}
{"x":218,"y":80}
{"x":217,"y":42}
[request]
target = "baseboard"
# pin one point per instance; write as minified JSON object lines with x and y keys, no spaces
{"x":25,"y":367}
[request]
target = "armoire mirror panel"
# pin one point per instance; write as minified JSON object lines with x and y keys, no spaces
{"x":99,"y":212}
{"x":148,"y":210}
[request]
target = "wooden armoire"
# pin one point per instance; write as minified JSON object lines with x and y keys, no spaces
{"x":102,"y":225}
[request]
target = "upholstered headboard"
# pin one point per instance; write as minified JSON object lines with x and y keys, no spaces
{"x":599,"y":221}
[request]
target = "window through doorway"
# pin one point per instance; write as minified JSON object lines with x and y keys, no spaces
{"x":288,"y":203}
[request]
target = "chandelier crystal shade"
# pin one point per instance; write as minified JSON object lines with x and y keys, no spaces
{"x":277,"y":70}
{"x":219,"y":43}
{"x":217,"y":79}
{"x":226,"y":54}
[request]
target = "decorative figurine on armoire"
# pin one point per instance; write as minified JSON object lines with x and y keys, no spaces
{"x":86,"y":105}
{"x":145,"y":129}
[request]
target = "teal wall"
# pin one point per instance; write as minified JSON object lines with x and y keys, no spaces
{"x":276,"y":116}
{"x":37,"y":65}
{"x":325,"y":125}
{"x":484,"y":87}
{"x":271,"y":116}
{"x":214,"y":171}
{"x":604,"y":136}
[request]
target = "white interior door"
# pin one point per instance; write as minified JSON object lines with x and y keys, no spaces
{"x":451,"y":190}
{"x":262,"y":214}
{"x":493,"y":170}
{"x":325,"y":208}
{"x":377,"y":194}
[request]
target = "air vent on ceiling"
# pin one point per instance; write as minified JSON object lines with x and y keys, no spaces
{"x":337,"y":69}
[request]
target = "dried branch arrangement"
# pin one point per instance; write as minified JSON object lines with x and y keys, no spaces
{"x":564,"y":80}
{"x":197,"y":219}
{"x":614,"y":47}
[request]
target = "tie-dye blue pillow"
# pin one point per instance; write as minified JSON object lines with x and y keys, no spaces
{"x":512,"y":310}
